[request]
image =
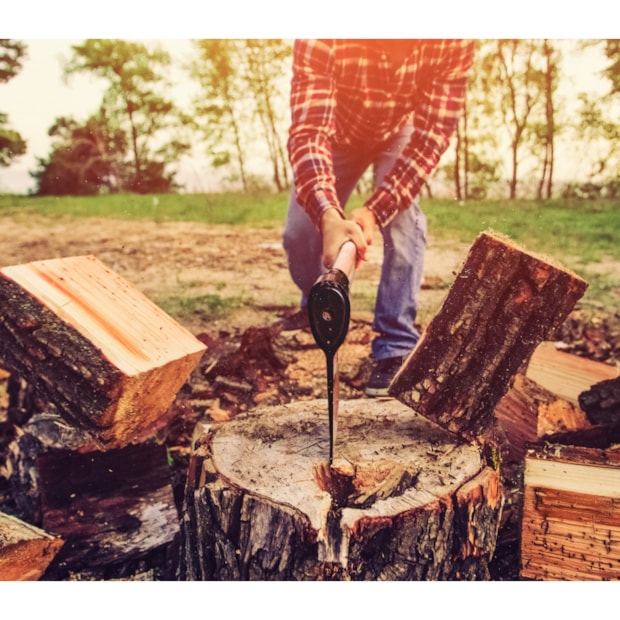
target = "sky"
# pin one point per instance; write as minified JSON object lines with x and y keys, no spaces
{"x":38,"y":94}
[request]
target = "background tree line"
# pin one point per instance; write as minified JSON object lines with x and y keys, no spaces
{"x":506,"y":141}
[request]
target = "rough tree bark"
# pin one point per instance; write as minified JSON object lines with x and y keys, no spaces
{"x":503,"y":303}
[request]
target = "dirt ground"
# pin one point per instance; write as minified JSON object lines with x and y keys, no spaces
{"x":188,"y":260}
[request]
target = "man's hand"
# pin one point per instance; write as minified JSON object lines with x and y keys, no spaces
{"x":366,"y":220}
{"x":335,"y":231}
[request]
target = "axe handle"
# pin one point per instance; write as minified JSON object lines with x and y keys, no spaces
{"x":345,"y":261}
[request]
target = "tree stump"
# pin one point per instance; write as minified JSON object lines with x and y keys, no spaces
{"x":404,"y":500}
{"x":108,"y":358}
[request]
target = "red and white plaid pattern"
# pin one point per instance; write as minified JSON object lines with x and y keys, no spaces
{"x":348,"y":93}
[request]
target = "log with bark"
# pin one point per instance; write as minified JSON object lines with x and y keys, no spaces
{"x":504,"y":302}
{"x":109,"y":507}
{"x":109,"y":359}
{"x":404,"y":500}
{"x":26,"y":551}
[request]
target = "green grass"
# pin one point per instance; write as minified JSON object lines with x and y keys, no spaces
{"x":587,"y":229}
{"x":226,"y":208}
{"x":207,"y":307}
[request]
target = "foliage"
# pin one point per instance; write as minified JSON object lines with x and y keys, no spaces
{"x":85,"y":159}
{"x":12,"y":145}
{"x":612,"y":71}
{"x":240,"y":81}
{"x":132,"y":104}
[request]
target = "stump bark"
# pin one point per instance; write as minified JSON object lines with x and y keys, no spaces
{"x":404,"y":500}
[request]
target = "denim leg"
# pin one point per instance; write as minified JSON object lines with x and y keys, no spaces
{"x":404,"y":244}
{"x":302,"y":241}
{"x":302,"y":244}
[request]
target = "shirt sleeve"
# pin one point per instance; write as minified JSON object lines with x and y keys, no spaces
{"x":436,"y":114}
{"x":313,"y":127}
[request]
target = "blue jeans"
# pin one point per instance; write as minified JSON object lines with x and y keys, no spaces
{"x":404,"y":243}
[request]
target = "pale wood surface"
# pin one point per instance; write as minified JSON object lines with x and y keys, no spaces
{"x":566,"y":374}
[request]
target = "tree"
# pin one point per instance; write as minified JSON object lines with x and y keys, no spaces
{"x":548,"y":133}
{"x":86,"y":159}
{"x":221,"y":101}
{"x":241,"y":100}
{"x":12,"y":144}
{"x":612,"y":71}
{"x":265,"y":60}
{"x":510,"y":71}
{"x":133,"y":73}
{"x":475,"y":165}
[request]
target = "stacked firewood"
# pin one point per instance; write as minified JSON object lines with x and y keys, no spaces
{"x":104,"y":365}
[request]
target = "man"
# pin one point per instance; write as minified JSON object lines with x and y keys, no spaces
{"x":391,"y":104}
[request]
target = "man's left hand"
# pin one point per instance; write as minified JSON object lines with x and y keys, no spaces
{"x":366,"y":220}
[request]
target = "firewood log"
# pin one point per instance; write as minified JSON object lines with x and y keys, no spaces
{"x":107,"y":357}
{"x":504,"y":302}
{"x":25,"y":550}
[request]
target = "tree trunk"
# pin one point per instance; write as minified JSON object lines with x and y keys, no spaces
{"x":25,"y":550}
{"x":404,"y":500}
{"x":90,"y":343}
{"x":503,"y":303}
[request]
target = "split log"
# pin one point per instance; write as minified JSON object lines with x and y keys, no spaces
{"x":109,"y":507}
{"x":571,"y":513}
{"x":502,"y":305}
{"x":404,"y":500}
{"x":25,"y":550}
{"x":109,"y":359}
{"x":566,"y":374}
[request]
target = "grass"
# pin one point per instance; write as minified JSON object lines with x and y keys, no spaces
{"x":207,"y":307}
{"x":225,"y":208}
{"x":579,"y":233}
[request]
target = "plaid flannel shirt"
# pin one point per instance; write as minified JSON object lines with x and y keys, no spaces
{"x":346,"y":93}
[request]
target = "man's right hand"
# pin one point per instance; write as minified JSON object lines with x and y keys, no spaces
{"x":335,"y":231}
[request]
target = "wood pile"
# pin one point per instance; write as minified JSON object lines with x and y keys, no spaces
{"x":107,"y":363}
{"x":570,"y":521}
{"x":424,"y":486}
